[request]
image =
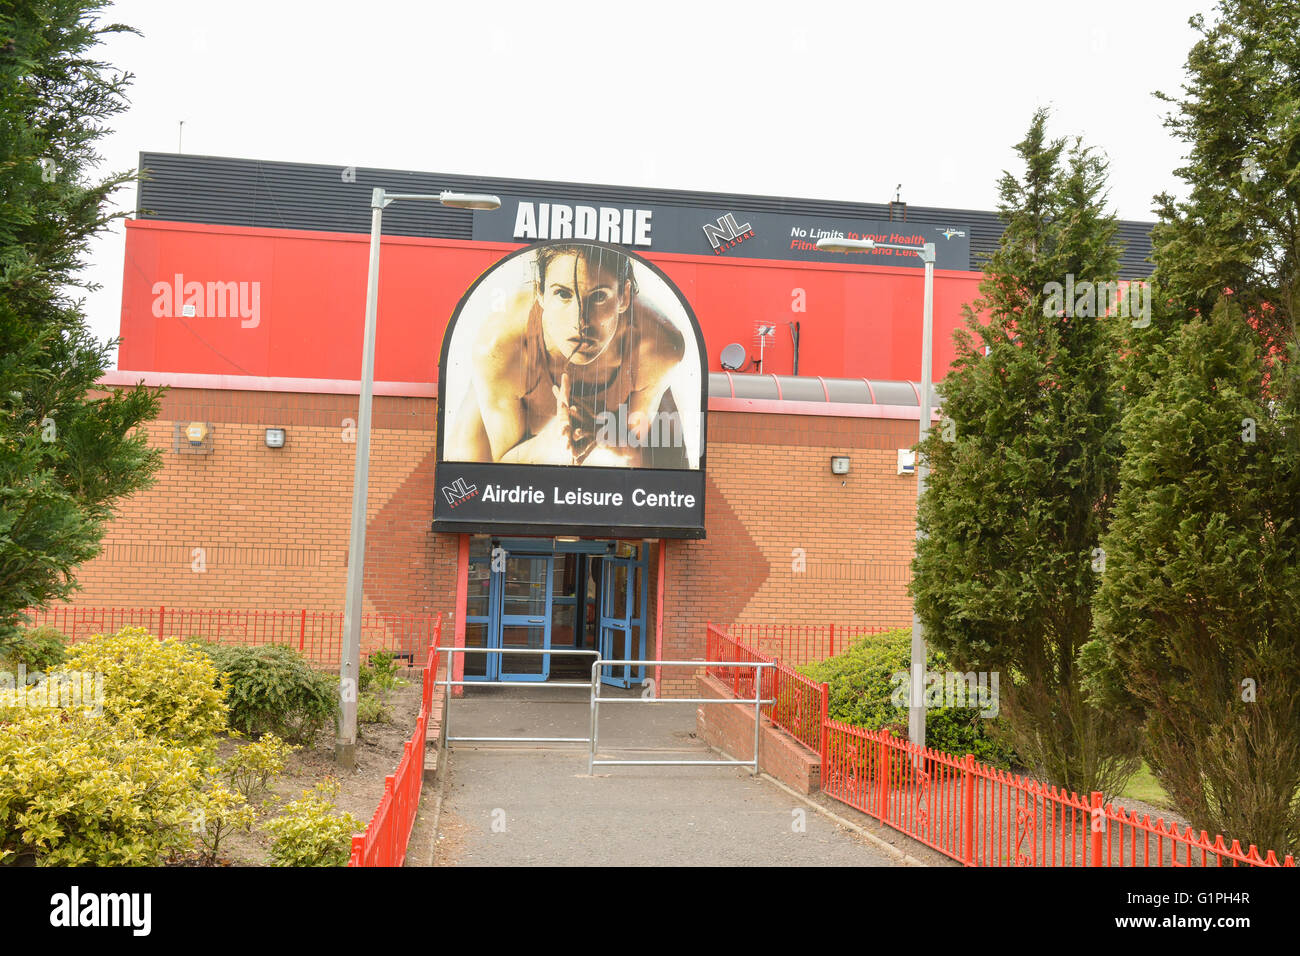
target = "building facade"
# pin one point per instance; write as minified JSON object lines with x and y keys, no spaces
{"x":244,"y":286}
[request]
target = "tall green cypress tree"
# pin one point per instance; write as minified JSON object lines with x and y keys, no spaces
{"x":66,"y":456}
{"x":1024,"y":467}
{"x":1199,"y":611}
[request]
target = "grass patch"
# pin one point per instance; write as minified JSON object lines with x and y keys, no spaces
{"x":1145,"y":787}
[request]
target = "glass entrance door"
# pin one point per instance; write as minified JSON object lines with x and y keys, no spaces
{"x":622,"y":619}
{"x":524,"y":616}
{"x":582,"y":594}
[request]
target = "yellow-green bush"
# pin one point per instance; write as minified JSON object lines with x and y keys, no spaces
{"x":164,"y":688}
{"x":220,"y":811}
{"x":250,"y":768}
{"x":81,"y":791}
{"x":311,"y":833}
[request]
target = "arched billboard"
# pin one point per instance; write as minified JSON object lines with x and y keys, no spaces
{"x":572,"y":399}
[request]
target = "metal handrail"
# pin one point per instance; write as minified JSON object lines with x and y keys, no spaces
{"x":596,"y":699}
{"x":444,"y":737}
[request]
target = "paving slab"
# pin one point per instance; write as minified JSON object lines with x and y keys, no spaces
{"x":524,"y":805}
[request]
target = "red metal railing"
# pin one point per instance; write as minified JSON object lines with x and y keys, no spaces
{"x":797,"y":644}
{"x":385,"y":841}
{"x":982,"y":816}
{"x":800,"y":702}
{"x":317,"y":634}
{"x":721,"y":646}
{"x":971,"y":812}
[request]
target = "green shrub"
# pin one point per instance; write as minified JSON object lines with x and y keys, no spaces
{"x":311,"y":833}
{"x":272,"y":689}
{"x":164,"y":688}
{"x":862,"y":689}
{"x":250,"y":768}
{"x":371,"y":710}
{"x":40,"y":649}
{"x":380,"y":672}
{"x":82,"y":791}
{"x":202,"y":644}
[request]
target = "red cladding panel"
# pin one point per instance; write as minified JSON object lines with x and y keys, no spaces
{"x":298,"y":299}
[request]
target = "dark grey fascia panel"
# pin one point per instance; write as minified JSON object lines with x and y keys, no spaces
{"x":182,"y":187}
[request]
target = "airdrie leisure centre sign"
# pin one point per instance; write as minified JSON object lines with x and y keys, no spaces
{"x":571,"y":399}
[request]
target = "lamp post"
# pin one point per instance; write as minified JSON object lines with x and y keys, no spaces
{"x":345,"y":745}
{"x":916,"y":708}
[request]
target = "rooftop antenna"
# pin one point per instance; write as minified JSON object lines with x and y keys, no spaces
{"x":764,"y":332}
{"x":897,"y":205}
{"x":180,"y":132}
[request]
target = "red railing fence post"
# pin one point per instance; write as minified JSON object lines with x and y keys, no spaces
{"x":832,"y":653}
{"x":1097,"y":826}
{"x":968,"y":809}
{"x":882,"y":767}
{"x":823,"y":737}
{"x":302,"y":630}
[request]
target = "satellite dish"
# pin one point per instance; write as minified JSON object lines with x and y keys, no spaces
{"x":734,"y":357}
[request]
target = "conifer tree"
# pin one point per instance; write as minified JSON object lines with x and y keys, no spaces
{"x":1199,"y":610}
{"x":67,"y":453}
{"x":1024,"y":467}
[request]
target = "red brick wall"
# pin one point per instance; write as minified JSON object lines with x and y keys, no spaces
{"x":730,"y":728}
{"x":770,"y":492}
{"x":273,"y":523}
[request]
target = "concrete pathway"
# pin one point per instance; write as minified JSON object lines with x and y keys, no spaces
{"x":516,"y":805}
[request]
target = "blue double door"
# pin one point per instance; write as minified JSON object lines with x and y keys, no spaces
{"x":573,"y":595}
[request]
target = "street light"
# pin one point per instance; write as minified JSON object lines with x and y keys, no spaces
{"x":916,"y":709}
{"x":345,"y":746}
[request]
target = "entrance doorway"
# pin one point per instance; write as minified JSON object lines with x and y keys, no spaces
{"x":544,"y":593}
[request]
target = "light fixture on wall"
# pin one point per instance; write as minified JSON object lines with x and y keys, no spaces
{"x":906,"y":461}
{"x":839,"y":464}
{"x":275,"y":438}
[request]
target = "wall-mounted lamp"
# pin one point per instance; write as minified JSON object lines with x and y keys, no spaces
{"x":275,"y":438}
{"x":839,"y":464}
{"x":906,"y":461}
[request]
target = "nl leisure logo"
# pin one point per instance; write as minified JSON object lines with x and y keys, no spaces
{"x":458,"y":492}
{"x":725,"y":233}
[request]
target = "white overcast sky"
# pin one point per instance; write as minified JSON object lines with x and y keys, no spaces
{"x":825,"y":100}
